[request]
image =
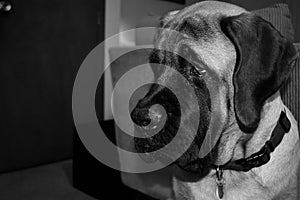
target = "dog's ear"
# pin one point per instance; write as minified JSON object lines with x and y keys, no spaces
{"x":264,"y":61}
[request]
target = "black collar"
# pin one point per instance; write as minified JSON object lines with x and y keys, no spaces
{"x":263,"y":155}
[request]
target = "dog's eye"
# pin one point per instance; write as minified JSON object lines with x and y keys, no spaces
{"x":196,"y":72}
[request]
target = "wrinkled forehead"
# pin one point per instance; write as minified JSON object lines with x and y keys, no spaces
{"x":204,"y":9}
{"x":211,"y":7}
{"x":195,"y":34}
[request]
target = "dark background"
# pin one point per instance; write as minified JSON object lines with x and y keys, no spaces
{"x":42,"y":44}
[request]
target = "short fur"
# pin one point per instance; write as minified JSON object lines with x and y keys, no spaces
{"x":249,"y":61}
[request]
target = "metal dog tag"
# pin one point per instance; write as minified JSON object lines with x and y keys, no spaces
{"x":220,"y":183}
{"x":220,"y":188}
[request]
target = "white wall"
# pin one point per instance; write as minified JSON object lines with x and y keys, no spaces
{"x":112,"y":27}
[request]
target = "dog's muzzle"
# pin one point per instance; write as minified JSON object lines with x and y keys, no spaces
{"x":159,"y":115}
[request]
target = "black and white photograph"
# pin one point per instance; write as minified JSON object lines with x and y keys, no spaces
{"x":150,"y":100}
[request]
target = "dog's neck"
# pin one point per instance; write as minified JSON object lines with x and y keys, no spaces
{"x":269,"y":117}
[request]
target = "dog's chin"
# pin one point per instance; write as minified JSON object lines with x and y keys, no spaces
{"x":231,"y":148}
{"x":227,"y":148}
{"x":190,"y":161}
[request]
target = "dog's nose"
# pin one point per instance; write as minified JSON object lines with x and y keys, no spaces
{"x":148,"y":117}
{"x":148,"y":112}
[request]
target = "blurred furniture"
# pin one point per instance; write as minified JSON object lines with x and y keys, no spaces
{"x":42,"y":47}
{"x":290,"y":92}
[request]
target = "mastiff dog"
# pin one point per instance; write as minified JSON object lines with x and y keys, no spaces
{"x":236,"y":62}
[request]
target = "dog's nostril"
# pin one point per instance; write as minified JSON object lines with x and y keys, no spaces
{"x":141,"y":116}
{"x":145,"y":121}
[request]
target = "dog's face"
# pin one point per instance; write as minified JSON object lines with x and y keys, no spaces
{"x":235,"y":62}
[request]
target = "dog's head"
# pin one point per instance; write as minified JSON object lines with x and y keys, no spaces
{"x":234,"y":61}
